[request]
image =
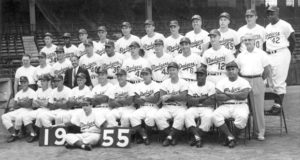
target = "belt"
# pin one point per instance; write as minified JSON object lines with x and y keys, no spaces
{"x":157,"y":81}
{"x":111,"y":77}
{"x":133,"y":82}
{"x":234,"y":103}
{"x":148,"y":104}
{"x":275,"y":51}
{"x":251,"y":76}
{"x":215,"y":74}
{"x":102,"y":106}
{"x":172,"y":105}
{"x":190,"y":80}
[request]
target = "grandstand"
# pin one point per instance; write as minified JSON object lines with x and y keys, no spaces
{"x":22,"y":27}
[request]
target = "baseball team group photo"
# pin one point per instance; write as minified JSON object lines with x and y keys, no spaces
{"x":149,"y":79}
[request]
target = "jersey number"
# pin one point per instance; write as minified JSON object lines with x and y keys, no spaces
{"x":164,"y":71}
{"x":221,"y":66}
{"x":115,"y":137}
{"x":275,"y":40}
{"x":229,"y":46}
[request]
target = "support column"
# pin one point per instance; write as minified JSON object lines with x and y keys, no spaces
{"x":148,"y":9}
{"x":32,"y":15}
{"x":253,"y":4}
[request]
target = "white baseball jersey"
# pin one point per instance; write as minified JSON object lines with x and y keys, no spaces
{"x":197,"y":40}
{"x":88,"y":123}
{"x":188,"y":65}
{"x":112,"y":64}
{"x":159,"y":66}
{"x":28,"y":72}
{"x":133,"y":67}
{"x":122,"y":45}
{"x":277,"y":35}
{"x":172,"y":45}
{"x":174,"y":89}
{"x":99,"y":48}
{"x":121,"y":92}
{"x":148,"y":43}
{"x":81,"y":49}
{"x":29,"y":93}
{"x":259,"y":33}
{"x":81,"y":93}
{"x":71,"y":51}
{"x":229,"y":39}
{"x":252,"y":63}
{"x":102,"y":90}
{"x":197,"y":91}
{"x":44,"y":94}
{"x":50,"y":53}
{"x":216,"y":60}
{"x":65,"y":94}
{"x":239,"y":84}
{"x":91,"y":64}
{"x":60,"y":68}
{"x":143,"y":89}
{"x":47,"y":70}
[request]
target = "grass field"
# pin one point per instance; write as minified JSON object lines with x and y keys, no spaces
{"x":285,"y":147}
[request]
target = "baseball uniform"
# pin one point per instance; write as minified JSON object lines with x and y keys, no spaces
{"x":133,"y":68}
{"x":47,"y":70}
{"x":81,"y":49}
{"x":147,"y":43}
{"x":277,"y":45}
{"x":188,"y":66}
{"x":112,"y":64}
{"x":91,"y":64}
{"x":100,"y":48}
{"x":70,"y":51}
{"x":215,"y":61}
{"x":79,"y":95}
{"x":122,"y":45}
{"x":159,"y":66}
{"x":198,"y":40}
{"x":50,"y":53}
{"x":204,"y":112}
{"x":229,"y":39}
{"x":59,"y":68}
{"x":27,"y":72}
{"x":172,"y":45}
{"x":258,"y":32}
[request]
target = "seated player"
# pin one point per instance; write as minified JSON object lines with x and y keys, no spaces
{"x":13,"y":120}
{"x":231,"y":94}
{"x":201,"y":102}
{"x":90,"y":127}
{"x":146,"y":96}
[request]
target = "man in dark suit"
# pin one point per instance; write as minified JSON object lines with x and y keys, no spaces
{"x":71,"y":74}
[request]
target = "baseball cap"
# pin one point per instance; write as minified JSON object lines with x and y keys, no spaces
{"x":231,"y":64}
{"x":185,"y":39}
{"x":158,"y":42}
{"x":23,"y":79}
{"x":58,"y":78}
{"x":59,"y":49}
{"x":110,"y":43}
{"x":250,"y":12}
{"x":101,"y":70}
{"x":225,"y":14}
{"x":42,"y":55}
{"x":47,"y":34}
{"x":146,"y":70}
{"x":67,"y":35}
{"x":126,"y":24}
{"x":121,"y":72}
{"x":82,"y":31}
{"x":135,"y":44}
{"x":173,"y":64}
{"x":89,"y":42}
{"x":174,"y":23}
{"x":101,"y":28}
{"x":214,"y":32}
{"x":149,"y":22}
{"x":201,"y":70}
{"x":81,"y":75}
{"x":273,"y":9}
{"x":44,"y":77}
{"x":196,"y":16}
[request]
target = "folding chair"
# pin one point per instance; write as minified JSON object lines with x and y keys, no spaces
{"x":272,"y":96}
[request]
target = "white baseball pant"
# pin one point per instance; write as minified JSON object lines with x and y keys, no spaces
{"x":168,"y":112}
{"x":32,"y":115}
{"x":14,"y":118}
{"x":60,"y":116}
{"x":205,"y":113}
{"x":146,"y":113}
{"x":122,"y":113}
{"x":239,"y":112}
{"x":86,"y":138}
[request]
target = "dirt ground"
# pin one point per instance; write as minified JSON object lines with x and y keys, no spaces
{"x":285,"y":147}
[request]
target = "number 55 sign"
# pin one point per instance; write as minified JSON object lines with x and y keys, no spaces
{"x":52,"y":136}
{"x":115,"y":137}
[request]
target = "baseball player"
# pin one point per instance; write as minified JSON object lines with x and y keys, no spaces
{"x":69,"y":49}
{"x":22,"y":104}
{"x":112,"y":61}
{"x":146,"y":96}
{"x":26,"y":70}
{"x":147,"y":42}
{"x":90,"y":126}
{"x":172,"y":42}
{"x":102,"y":32}
{"x":201,"y":102}
{"x":83,"y":36}
{"x":216,"y":57}
{"x":229,"y":37}
{"x":198,"y":36}
{"x":122,"y":44}
{"x":252,"y":28}
{"x":173,"y":94}
{"x":42,"y":69}
{"x":159,"y":62}
{"x":62,"y":64}
{"x":49,"y":49}
{"x":187,"y":61}
{"x":121,"y":100}
{"x":90,"y":61}
{"x":280,"y":44}
{"x":135,"y":64}
{"x":253,"y":64}
{"x":43,"y":95}
{"x":232,"y":93}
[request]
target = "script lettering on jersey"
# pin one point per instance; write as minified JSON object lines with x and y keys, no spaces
{"x":113,"y":65}
{"x":61,"y":71}
{"x":187,"y":66}
{"x":100,"y":52}
{"x":69,"y":55}
{"x":124,"y":50}
{"x":148,"y":47}
{"x":121,"y":95}
{"x":173,"y":48}
{"x":196,"y":95}
{"x":215,"y":60}
{"x":161,"y":66}
{"x":146,"y":93}
{"x":86,"y":126}
{"x":197,"y":44}
{"x":232,"y":90}
{"x":256,"y":37}
{"x":228,"y":43}
{"x":52,"y":57}
{"x":272,"y":35}
{"x":92,"y":66}
{"x":133,"y":68}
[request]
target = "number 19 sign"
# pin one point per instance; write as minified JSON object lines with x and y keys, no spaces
{"x":52,"y":136}
{"x":115,"y":137}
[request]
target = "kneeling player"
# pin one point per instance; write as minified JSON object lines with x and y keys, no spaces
{"x":147,"y":95}
{"x":232,"y":93}
{"x":201,"y":102}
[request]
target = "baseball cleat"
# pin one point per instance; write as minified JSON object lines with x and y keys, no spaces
{"x":31,"y":139}
{"x":199,"y":143}
{"x":166,"y":142}
{"x":146,"y":141}
{"x":87,"y":147}
{"x":11,"y":139}
{"x":173,"y":141}
{"x":231,"y":143}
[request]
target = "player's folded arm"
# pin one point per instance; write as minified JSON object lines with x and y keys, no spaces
{"x":113,"y":103}
{"x":179,"y":97}
{"x":126,"y":101}
{"x":154,"y":98}
{"x":210,"y":100}
{"x":192,"y":101}
{"x":138,"y":100}
{"x":221,"y":96}
{"x":242,"y":94}
{"x":99,"y":99}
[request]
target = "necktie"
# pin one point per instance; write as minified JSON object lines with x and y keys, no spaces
{"x":73,"y":77}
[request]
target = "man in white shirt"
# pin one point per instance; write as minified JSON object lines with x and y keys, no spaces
{"x":62,"y":64}
{"x":49,"y":49}
{"x":42,"y":69}
{"x":70,"y":49}
{"x":172,"y":45}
